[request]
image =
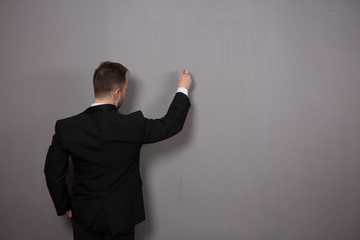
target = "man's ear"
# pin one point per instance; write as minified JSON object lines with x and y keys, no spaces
{"x":117,"y":94}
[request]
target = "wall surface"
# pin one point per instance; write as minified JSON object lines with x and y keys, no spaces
{"x":271,"y":146}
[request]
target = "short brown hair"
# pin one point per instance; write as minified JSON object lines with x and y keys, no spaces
{"x":107,"y":77}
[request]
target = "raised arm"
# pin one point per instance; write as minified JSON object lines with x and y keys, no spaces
{"x":159,"y":129}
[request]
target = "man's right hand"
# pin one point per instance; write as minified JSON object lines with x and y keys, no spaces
{"x":185,"y":79}
{"x":69,"y":213}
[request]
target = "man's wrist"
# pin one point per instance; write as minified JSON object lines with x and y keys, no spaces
{"x":183,"y":90}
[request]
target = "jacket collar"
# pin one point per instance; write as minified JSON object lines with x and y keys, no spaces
{"x":100,"y":108}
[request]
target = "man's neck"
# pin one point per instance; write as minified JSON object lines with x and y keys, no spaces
{"x":103,"y":101}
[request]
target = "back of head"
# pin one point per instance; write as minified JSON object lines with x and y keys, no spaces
{"x":107,"y":77}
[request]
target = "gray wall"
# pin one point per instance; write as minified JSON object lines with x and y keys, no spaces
{"x":271,"y":147}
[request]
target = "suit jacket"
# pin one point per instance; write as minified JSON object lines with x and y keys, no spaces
{"x":105,"y":147}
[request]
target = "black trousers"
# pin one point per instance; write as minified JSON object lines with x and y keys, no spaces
{"x":101,"y":230}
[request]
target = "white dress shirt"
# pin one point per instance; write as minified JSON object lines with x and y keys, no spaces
{"x":180,"y":89}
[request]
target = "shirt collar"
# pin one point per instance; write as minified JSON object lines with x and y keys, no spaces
{"x":97,"y":104}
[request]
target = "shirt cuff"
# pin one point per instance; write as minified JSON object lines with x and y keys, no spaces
{"x":183,"y":90}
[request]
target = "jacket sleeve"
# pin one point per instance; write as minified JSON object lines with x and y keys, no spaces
{"x":155,"y":130}
{"x":56,"y":169}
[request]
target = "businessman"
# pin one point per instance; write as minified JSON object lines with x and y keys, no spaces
{"x":106,"y":200}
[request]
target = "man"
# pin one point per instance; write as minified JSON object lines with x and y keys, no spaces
{"x":106,"y":200}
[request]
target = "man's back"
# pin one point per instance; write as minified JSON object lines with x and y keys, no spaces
{"x":104,"y":146}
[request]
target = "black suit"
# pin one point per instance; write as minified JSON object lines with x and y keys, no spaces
{"x":105,"y":147}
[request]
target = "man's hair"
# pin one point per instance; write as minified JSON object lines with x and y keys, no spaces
{"x":107,"y":77}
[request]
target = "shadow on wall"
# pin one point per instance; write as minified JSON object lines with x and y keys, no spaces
{"x":131,"y":96}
